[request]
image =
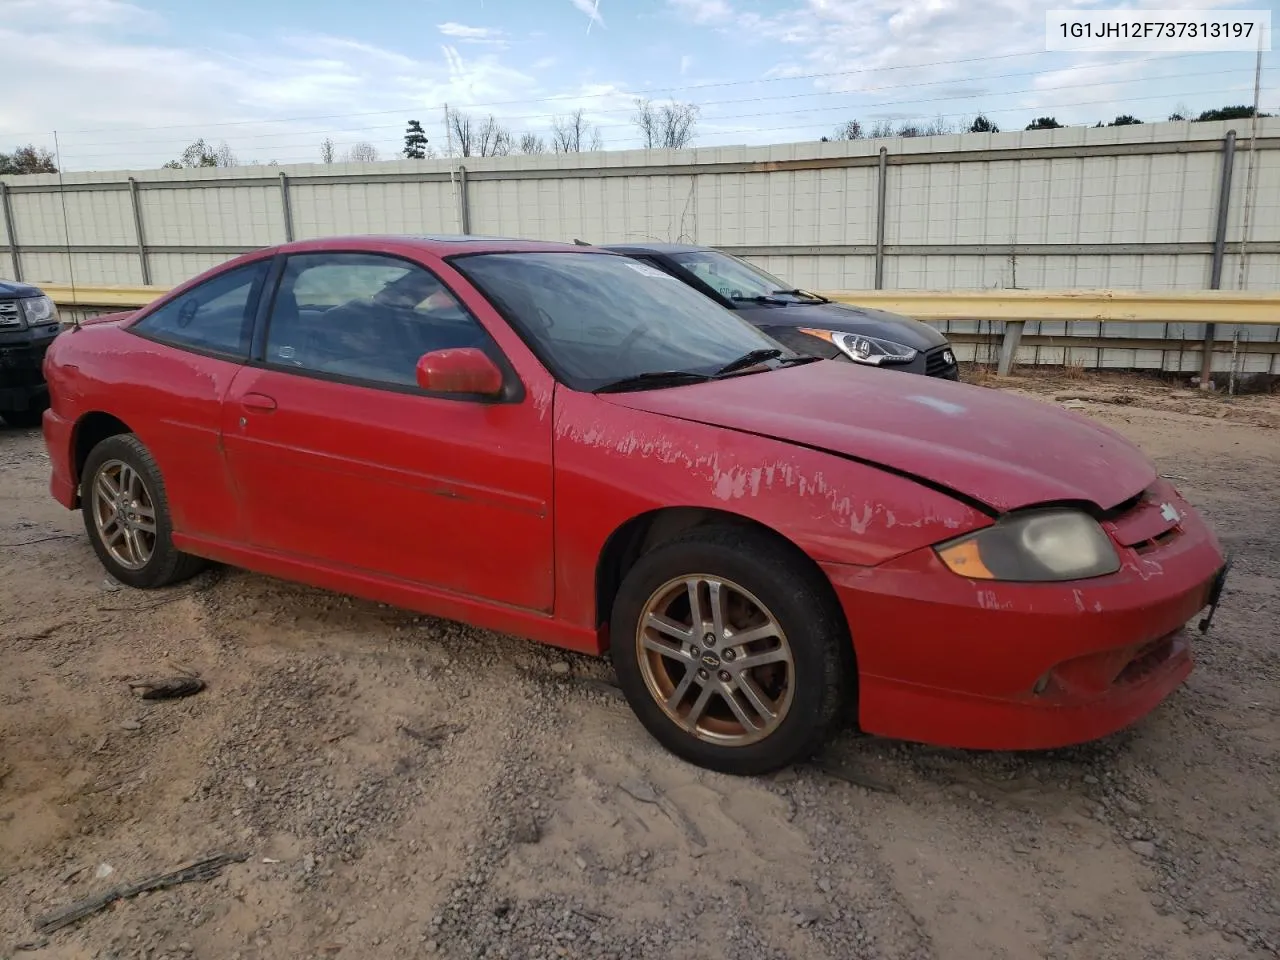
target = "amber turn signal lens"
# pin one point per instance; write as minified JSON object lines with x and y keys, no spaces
{"x":963,"y":558}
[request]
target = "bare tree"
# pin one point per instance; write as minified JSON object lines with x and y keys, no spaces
{"x":937,"y":127}
{"x":880,"y":129}
{"x":493,"y":139}
{"x":361,"y":152}
{"x":202,"y":154}
{"x":224,"y":157}
{"x":909,"y":130}
{"x":669,"y":125}
{"x":572,"y":134}
{"x":532,"y":143}
{"x":326,"y":150}
{"x":463,"y":131}
{"x":849,"y":130}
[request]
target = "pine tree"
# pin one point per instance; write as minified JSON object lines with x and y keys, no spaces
{"x":415,"y":141}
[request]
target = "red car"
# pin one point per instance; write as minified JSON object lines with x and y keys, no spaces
{"x":563,"y":443}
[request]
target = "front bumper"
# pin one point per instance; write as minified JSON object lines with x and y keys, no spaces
{"x":930,"y":363}
{"x":961,"y":663}
{"x":21,"y":370}
{"x":58,"y":440}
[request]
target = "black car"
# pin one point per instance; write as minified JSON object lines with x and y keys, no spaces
{"x":28,"y":324}
{"x":805,"y":322}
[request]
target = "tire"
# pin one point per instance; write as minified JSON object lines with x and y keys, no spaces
{"x":125,"y":456}
{"x":24,"y":419}
{"x":767,"y":581}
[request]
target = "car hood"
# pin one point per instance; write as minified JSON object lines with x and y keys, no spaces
{"x":994,"y":448}
{"x":14,"y":289}
{"x":846,"y":319}
{"x":110,"y":318}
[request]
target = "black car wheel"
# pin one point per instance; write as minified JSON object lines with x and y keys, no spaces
{"x":126,"y":514}
{"x":731,"y":650}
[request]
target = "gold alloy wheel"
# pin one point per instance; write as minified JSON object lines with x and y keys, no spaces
{"x":124,"y":514}
{"x":715,"y":659}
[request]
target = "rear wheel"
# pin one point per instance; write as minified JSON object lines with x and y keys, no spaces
{"x":126,"y":514}
{"x":730,"y":650}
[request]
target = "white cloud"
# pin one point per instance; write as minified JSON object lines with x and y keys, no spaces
{"x":685,"y":63}
{"x":920,"y":58}
{"x":136,"y":103}
{"x":707,"y":12}
{"x":72,"y":12}
{"x":467,"y":34}
{"x":591,"y":8}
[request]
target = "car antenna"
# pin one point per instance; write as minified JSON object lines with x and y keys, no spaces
{"x":66,"y":232}
{"x":580,"y":243}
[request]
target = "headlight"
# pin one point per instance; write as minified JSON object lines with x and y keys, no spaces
{"x":39,"y":310}
{"x":1043,"y":545}
{"x":856,"y":347}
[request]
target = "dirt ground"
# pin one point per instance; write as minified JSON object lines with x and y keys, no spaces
{"x":403,"y":787}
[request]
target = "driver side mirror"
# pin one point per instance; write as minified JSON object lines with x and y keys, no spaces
{"x":459,"y":370}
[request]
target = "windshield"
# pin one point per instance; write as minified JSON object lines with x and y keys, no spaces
{"x":597,"y":318}
{"x":736,"y":279}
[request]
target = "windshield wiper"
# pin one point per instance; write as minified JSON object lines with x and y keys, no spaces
{"x":760,"y":299}
{"x":817,"y":298}
{"x":749,"y":359}
{"x":654,"y":378}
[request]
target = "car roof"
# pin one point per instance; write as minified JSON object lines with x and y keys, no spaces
{"x":442,"y":245}
{"x":652,"y":247}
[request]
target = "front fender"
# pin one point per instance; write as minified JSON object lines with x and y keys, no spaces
{"x":613,"y":464}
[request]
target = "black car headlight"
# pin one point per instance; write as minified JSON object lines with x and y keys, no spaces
{"x":1036,"y":546}
{"x":864,"y":349}
{"x":39,"y":311}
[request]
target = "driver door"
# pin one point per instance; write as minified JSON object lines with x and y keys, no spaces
{"x":341,"y":459}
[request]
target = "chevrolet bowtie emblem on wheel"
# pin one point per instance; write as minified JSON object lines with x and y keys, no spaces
{"x":1170,"y":513}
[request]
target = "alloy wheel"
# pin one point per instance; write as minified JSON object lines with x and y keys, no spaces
{"x":715,"y":659}
{"x":124,"y":514}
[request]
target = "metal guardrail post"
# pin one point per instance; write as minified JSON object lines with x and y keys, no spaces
{"x":464,"y":207}
{"x":137,"y":230}
{"x":1219,"y":249}
{"x":286,"y":208}
{"x":1009,"y":346}
{"x":9,"y":231}
{"x":881,"y":189}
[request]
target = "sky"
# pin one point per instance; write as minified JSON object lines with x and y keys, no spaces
{"x":128,"y":83}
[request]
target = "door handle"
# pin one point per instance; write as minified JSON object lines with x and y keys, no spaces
{"x":258,"y":402}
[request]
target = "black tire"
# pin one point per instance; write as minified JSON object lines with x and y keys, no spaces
{"x":166,"y":565}
{"x":24,"y":419}
{"x":797,"y":597}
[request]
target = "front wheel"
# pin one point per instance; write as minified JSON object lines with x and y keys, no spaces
{"x":126,"y":514}
{"x":731,"y":650}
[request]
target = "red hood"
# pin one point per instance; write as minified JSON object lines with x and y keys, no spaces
{"x":996,"y":448}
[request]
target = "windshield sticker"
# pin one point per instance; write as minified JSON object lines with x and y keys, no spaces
{"x":649,"y":271}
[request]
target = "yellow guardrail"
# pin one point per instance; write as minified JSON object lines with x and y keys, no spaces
{"x":84,"y":296}
{"x":1136,"y":306}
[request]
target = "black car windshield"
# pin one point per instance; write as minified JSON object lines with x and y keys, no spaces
{"x":597,"y":318}
{"x":733,"y":278}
